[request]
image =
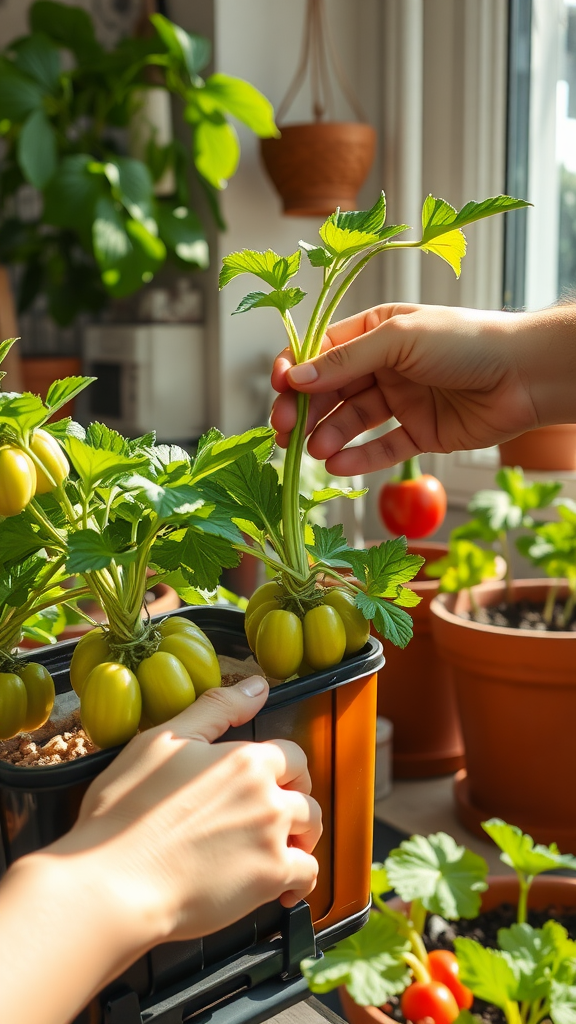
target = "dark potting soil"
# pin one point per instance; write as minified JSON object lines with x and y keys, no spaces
{"x":522,"y":615}
{"x":440,"y":934}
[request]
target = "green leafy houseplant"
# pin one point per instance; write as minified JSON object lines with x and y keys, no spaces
{"x":105,"y":511}
{"x":276,"y":519}
{"x":552,"y":547}
{"x":63,"y":99}
{"x":529,"y":977}
{"x":496,"y":513}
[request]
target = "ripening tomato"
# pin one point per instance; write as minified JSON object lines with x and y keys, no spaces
{"x":198,"y":659}
{"x":444,"y":967}
{"x":414,"y":506}
{"x":110,"y":704}
{"x":178,"y":624}
{"x":280,"y":644}
{"x":324,"y":637}
{"x":356,"y":626}
{"x":47,"y":449}
{"x":13,"y":705}
{"x":166,"y":687}
{"x":252,"y":621}
{"x":267,"y":592}
{"x":91,"y":650}
{"x":17,"y":480}
{"x":429,"y":999}
{"x":40,"y":692}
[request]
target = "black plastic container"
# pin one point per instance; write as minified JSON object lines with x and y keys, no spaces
{"x":251,"y":968}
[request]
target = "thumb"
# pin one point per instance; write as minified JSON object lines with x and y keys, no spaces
{"x":341,"y":365}
{"x":218,"y":709}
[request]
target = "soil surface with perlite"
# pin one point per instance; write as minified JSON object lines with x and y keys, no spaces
{"x":521,"y":615}
{"x":440,"y":934}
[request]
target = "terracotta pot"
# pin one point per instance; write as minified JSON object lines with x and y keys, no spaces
{"x":165,"y":600}
{"x":416,"y":692}
{"x":546,"y":891}
{"x":38,"y":373}
{"x":516,"y":695}
{"x":318,"y":167}
{"x":551,"y":448}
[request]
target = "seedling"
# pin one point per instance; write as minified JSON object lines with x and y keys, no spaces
{"x":552,"y":547}
{"x":277,"y":516}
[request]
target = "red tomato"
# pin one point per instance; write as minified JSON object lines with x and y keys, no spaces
{"x":415,"y":508}
{"x":444,"y":967}
{"x":429,"y":999}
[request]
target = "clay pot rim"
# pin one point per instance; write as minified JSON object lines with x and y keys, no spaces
{"x":553,"y":885}
{"x":439,"y":608}
{"x":319,"y":126}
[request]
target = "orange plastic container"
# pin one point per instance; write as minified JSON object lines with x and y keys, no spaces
{"x":332,"y":716}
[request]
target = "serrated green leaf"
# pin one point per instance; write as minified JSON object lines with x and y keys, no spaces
{"x":486,"y":971}
{"x":317,"y":254}
{"x":329,"y":494}
{"x":62,"y":391}
{"x":275,"y":270}
{"x":18,"y":539}
{"x":256,"y":490}
{"x":89,"y":551}
{"x":407,"y":598}
{"x":439,"y":217}
{"x":537,"y":955}
{"x":526,"y":494}
{"x":391,"y":622}
{"x":98,"y":435}
{"x":445,"y":877}
{"x":166,"y":502}
{"x":497,"y":510}
{"x":22,"y":412}
{"x":206,"y":557}
{"x":282,"y":299}
{"x":330,"y":546}
{"x":369,"y":963}
{"x":451,"y":247}
{"x":97,"y":466}
{"x":520,"y":851}
{"x":369,"y":221}
{"x":215,"y":451}
{"x":385,"y":566}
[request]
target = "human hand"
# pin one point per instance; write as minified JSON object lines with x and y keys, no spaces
{"x":176,"y":839}
{"x":454,"y":378}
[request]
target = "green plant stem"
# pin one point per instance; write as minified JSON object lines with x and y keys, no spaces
{"x":549,"y":605}
{"x":417,"y":967}
{"x":411,"y":469}
{"x":539,"y":1011}
{"x":569,"y":608}
{"x":417,"y":915}
{"x":38,"y":514}
{"x":506,"y":555}
{"x":473,"y":602}
{"x":296,"y":554}
{"x":512,"y":1012}
{"x":525,"y":883}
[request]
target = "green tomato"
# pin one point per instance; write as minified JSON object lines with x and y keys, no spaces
{"x":279,"y":644}
{"x":17,"y":480}
{"x":111,"y":704}
{"x":252,"y":621}
{"x":356,"y":626}
{"x":50,"y":454}
{"x":267,"y":592}
{"x":13,"y":704}
{"x":91,"y":650}
{"x":166,"y":687}
{"x":179,"y":624}
{"x":199,"y":660}
{"x":40,"y":692}
{"x":324,"y":637}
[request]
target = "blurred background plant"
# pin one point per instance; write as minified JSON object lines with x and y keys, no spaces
{"x":80,"y":124}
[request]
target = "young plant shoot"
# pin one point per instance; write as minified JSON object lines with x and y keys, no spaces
{"x":296,"y":623}
{"x":552,"y":547}
{"x":530,"y":977}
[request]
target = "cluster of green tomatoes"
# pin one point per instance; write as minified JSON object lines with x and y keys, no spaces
{"x":21,"y":478}
{"x":288,"y":643}
{"x":116,"y":701}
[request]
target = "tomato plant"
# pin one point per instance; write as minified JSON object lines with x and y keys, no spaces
{"x":275,"y":515}
{"x":414,"y":503}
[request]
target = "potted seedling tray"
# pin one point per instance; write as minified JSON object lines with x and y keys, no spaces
{"x":332,"y":716}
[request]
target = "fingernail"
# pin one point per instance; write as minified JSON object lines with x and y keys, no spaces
{"x":305,"y":373}
{"x":253,"y":686}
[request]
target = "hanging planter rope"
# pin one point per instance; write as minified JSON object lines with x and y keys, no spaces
{"x":321,"y":164}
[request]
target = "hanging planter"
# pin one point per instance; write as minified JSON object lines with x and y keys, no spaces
{"x":319,"y":165}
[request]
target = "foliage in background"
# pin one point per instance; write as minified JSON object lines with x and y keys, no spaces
{"x":64,"y":106}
